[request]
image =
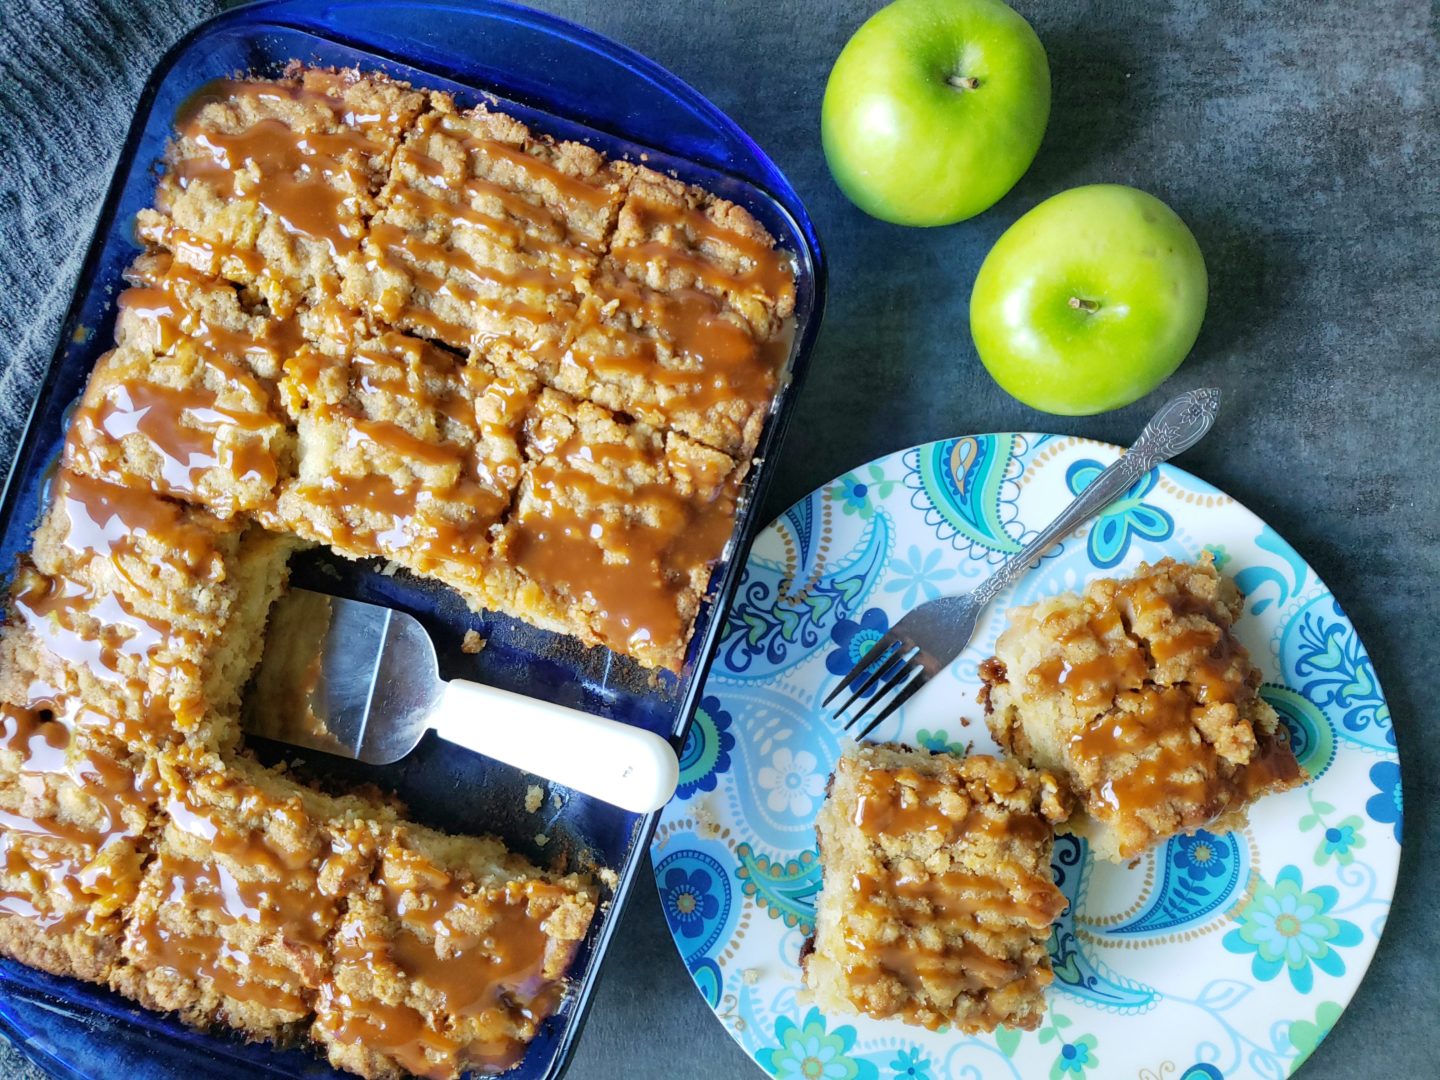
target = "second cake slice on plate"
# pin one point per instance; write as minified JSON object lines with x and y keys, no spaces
{"x":1138,"y":695}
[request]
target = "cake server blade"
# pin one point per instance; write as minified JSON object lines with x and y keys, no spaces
{"x":361,"y":681}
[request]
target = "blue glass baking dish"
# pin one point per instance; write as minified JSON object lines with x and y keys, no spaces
{"x":563,"y":80}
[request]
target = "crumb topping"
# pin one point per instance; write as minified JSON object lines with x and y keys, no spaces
{"x":1138,"y":694}
{"x":937,"y":898}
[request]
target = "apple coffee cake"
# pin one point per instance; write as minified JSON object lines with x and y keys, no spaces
{"x":367,"y":319}
{"x":937,"y":898}
{"x":1138,"y":696}
{"x":362,"y":304}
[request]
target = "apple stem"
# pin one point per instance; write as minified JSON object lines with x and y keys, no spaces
{"x":1084,"y":305}
{"x":963,"y":82}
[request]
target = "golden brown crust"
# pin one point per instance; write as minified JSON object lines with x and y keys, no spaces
{"x":352,"y":213}
{"x":404,"y":451}
{"x":615,"y":529}
{"x":672,"y":236}
{"x":937,"y":898}
{"x":271,"y":182}
{"x":182,"y":425}
{"x":233,"y":919}
{"x":145,"y":610}
{"x":76,"y":808}
{"x":483,"y":232}
{"x":1138,"y":694}
{"x":449,"y":959}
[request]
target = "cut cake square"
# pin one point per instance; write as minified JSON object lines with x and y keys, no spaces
{"x":1138,"y":696}
{"x":615,"y":529}
{"x":271,"y":182}
{"x":450,"y":959}
{"x":938,"y":897}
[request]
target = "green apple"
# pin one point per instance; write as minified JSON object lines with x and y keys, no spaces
{"x":934,"y":109}
{"x":1089,"y":301}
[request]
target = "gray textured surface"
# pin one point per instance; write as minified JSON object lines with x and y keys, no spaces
{"x":1299,"y":141}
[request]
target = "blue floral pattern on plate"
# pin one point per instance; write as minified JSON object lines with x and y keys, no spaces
{"x":1235,"y":948}
{"x":1289,"y":928}
{"x":853,"y":639}
{"x":1197,"y":856}
{"x":1129,"y":517}
{"x":706,"y":752}
{"x":1387,"y":805}
{"x":808,"y":1052}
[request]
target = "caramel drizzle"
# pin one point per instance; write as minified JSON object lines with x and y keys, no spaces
{"x":765,"y":271}
{"x":729,"y":364}
{"x":964,"y":899}
{"x":570,"y":188}
{"x":207,"y":888}
{"x":162,"y":305}
{"x":631,"y":567}
{"x":419,"y":252}
{"x":424,"y":523}
{"x":104,"y":521}
{"x":461,"y":278}
{"x":503,"y":973}
{"x":719,"y":360}
{"x":70,"y":865}
{"x":41,"y":734}
{"x":532,"y":214}
{"x":530,"y":228}
{"x":411,"y":531}
{"x":716,"y":361}
{"x":416,"y":372}
{"x":56,"y":610}
{"x":186,"y":428}
{"x":1143,"y":740}
{"x":906,"y":801}
{"x":1120,"y":664}
{"x":204,"y":253}
{"x":903,"y":801}
{"x":495,"y":981}
{"x":1208,"y":650}
{"x":311,"y":181}
{"x":477,"y":290}
{"x":937,"y":914}
{"x":190,"y":814}
{"x":278,"y":897}
{"x":1170,"y":762}
{"x":98,"y":632}
{"x":398,"y":1031}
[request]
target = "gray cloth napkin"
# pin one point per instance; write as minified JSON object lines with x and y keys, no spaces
{"x":70,"y":74}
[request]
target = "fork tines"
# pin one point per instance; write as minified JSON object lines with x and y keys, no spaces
{"x":904,"y":669}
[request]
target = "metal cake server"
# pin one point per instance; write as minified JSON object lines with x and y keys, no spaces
{"x":361,"y":681}
{"x":921,"y":644}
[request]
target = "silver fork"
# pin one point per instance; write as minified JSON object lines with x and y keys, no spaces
{"x":921,"y":644}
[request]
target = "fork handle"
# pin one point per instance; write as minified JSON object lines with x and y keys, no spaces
{"x":628,"y":766}
{"x":1179,"y":425}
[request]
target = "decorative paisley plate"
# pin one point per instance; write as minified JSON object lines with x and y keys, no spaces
{"x":1216,"y":957}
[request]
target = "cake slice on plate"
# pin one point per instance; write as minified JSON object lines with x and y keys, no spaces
{"x":938,"y":896}
{"x":1137,"y":694}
